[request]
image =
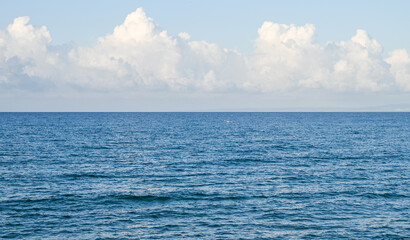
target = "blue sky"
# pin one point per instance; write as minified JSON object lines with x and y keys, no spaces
{"x":230,"y":23}
{"x":370,"y":72}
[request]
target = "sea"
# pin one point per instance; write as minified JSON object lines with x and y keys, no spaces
{"x":205,"y":175}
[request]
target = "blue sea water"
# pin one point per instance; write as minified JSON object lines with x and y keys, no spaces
{"x":204,"y":175}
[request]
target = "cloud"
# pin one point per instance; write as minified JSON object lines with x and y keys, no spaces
{"x":25,"y":60}
{"x":138,"y":54}
{"x":286,"y":56}
{"x":400,"y":68}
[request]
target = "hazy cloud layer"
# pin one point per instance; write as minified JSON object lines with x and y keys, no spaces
{"x":140,"y":55}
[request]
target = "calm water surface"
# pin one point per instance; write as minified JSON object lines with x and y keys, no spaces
{"x":204,"y":175}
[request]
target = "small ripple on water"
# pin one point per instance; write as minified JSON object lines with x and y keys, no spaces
{"x":192,"y":176}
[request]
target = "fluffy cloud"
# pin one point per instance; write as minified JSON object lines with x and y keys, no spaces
{"x":140,"y":55}
{"x":287,"y":56}
{"x":400,"y":68}
{"x":25,"y":60}
{"x":136,"y":53}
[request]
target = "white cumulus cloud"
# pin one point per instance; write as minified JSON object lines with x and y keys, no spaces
{"x":286,"y":56}
{"x":138,"y":54}
{"x":400,"y":68}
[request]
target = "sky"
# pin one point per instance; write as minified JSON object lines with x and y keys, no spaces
{"x":204,"y":55}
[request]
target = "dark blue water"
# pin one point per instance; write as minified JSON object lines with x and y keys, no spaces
{"x":204,"y":175}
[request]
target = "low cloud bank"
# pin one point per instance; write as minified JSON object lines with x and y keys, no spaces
{"x":140,"y":55}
